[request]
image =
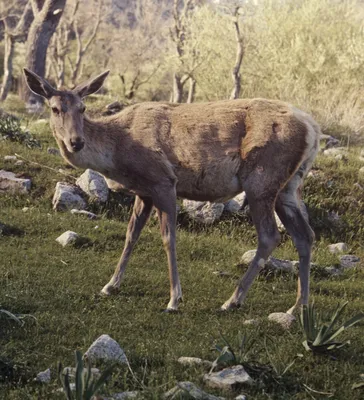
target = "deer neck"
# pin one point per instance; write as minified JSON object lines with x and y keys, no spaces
{"x":98,"y":152}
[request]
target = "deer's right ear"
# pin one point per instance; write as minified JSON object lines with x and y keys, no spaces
{"x":38,"y":85}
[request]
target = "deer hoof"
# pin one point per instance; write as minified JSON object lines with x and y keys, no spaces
{"x":230,"y":306}
{"x":109,"y":290}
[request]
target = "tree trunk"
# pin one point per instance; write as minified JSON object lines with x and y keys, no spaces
{"x":41,"y":31}
{"x":8,"y":65}
{"x":239,"y":58}
{"x":191,"y":91}
{"x":177,"y":89}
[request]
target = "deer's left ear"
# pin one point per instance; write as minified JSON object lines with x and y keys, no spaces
{"x":38,"y":85}
{"x":91,"y":86}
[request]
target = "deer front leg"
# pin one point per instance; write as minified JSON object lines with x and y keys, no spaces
{"x":167,"y":218}
{"x":140,"y":215}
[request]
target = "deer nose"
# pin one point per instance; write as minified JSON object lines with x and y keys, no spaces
{"x":77,"y":144}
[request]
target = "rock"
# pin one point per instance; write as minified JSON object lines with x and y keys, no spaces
{"x":273,"y":264}
{"x":204,"y":212}
{"x":25,"y":209}
{"x":54,"y":151}
{"x":68,"y":238}
{"x":19,"y":163}
{"x":87,"y":214}
{"x":10,"y":158}
{"x":94,"y":185}
{"x":124,"y":396}
{"x":337,"y":247}
{"x":333,"y":271}
{"x":106,"y":349}
{"x":44,"y":376}
{"x":251,"y":322}
{"x":335,"y":151}
{"x":241,"y":397}
{"x":248,"y":257}
{"x":283,"y":319}
{"x":192,"y":361}
{"x":228,"y":378}
{"x":235,"y":204}
{"x":184,"y":390}
{"x":9,"y":183}
{"x":349,"y":261}
{"x":67,"y":197}
{"x":41,"y":121}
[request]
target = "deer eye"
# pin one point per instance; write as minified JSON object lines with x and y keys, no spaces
{"x":55,"y":110}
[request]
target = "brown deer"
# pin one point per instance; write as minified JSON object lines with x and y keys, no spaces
{"x":207,"y":151}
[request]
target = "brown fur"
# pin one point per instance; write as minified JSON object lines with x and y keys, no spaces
{"x":206,"y":151}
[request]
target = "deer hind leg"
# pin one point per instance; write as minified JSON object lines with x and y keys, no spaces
{"x":140,"y":215}
{"x":292,"y":212}
{"x":268,"y":238}
{"x":166,"y":209}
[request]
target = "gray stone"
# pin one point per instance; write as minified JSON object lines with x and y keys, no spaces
{"x":285,"y":320}
{"x":248,"y":257}
{"x":228,"y":378}
{"x":94,"y":184}
{"x":272,"y":263}
{"x":349,"y":261}
{"x":192,"y":361}
{"x":67,"y":238}
{"x":204,"y":212}
{"x":236,"y":203}
{"x":251,"y":322}
{"x":10,"y":158}
{"x":336,"y":248}
{"x":44,"y":376}
{"x":188,"y":390}
{"x":334,"y":151}
{"x":333,"y":271}
{"x":85,"y":213}
{"x":106,"y":349}
{"x":67,"y":197}
{"x":124,"y":396}
{"x":54,"y":151}
{"x":9,"y":183}
{"x":18,"y":163}
{"x":241,"y":397}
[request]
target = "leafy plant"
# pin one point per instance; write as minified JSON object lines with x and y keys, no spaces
{"x":229,"y":356}
{"x":320,"y":335}
{"x":10,"y":129}
{"x":86,"y":384}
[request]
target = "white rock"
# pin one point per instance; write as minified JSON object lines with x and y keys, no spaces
{"x":235,"y":204}
{"x":10,"y":158}
{"x":25,"y":209}
{"x":349,"y":261}
{"x":248,"y":257}
{"x":67,"y":197}
{"x":241,"y":397}
{"x":191,"y":390}
{"x":274,"y":264}
{"x":334,"y":151}
{"x":204,"y":212}
{"x":124,"y":396}
{"x":106,"y":349}
{"x":67,"y":238}
{"x":94,"y":184}
{"x":87,"y":214}
{"x":251,"y":322}
{"x":283,"y":319}
{"x":19,"y":163}
{"x":191,"y":361}
{"x":9,"y":183}
{"x":336,"y":248}
{"x":228,"y":378}
{"x":44,"y":376}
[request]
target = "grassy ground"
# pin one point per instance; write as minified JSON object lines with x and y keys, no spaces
{"x":60,"y":287}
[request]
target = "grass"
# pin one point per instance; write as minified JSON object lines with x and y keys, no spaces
{"x":60,"y":289}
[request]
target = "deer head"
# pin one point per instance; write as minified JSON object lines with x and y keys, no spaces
{"x":67,"y":107}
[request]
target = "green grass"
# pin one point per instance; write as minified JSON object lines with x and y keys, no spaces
{"x":60,"y":288}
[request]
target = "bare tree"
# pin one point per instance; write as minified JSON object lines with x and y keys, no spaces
{"x":13,"y":32}
{"x":47,"y":14}
{"x":239,"y":55}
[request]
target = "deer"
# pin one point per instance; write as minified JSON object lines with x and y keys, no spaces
{"x":201,"y":151}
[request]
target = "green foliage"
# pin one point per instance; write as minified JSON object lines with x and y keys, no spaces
{"x":10,"y":129}
{"x":320,"y":331}
{"x":87,"y":386}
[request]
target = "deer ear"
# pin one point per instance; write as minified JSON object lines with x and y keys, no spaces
{"x":91,"y":86}
{"x":38,"y":85}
